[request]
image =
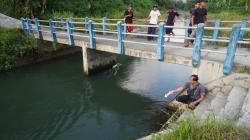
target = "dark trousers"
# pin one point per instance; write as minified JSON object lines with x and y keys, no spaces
{"x":151,"y":31}
{"x":186,"y":99}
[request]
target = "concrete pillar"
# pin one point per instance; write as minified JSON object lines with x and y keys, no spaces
{"x":95,"y":61}
{"x":209,"y":71}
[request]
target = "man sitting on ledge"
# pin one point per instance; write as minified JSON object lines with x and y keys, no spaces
{"x":196,"y":92}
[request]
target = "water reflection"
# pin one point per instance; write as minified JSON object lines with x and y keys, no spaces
{"x":152,"y":79}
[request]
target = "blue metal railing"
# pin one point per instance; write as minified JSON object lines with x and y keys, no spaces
{"x":237,"y":36}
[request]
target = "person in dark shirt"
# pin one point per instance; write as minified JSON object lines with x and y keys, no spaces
{"x":129,"y":15}
{"x":192,"y":10}
{"x":199,"y":16}
{"x":172,"y":14}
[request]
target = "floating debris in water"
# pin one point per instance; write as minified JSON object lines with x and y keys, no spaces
{"x":116,"y":68}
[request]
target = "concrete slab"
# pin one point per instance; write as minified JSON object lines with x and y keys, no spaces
{"x":244,"y":120}
{"x":234,"y":104}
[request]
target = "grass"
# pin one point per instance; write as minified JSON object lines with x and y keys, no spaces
{"x":245,"y":70}
{"x":210,"y":129}
{"x":229,"y":16}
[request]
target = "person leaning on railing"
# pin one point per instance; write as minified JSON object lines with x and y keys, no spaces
{"x":199,"y":15}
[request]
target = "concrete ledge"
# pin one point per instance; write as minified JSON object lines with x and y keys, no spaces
{"x":9,"y":22}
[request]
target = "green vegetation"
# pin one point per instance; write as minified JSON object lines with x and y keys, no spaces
{"x":14,"y":44}
{"x":239,"y":6}
{"x":228,"y":15}
{"x":111,"y":9}
{"x":210,"y":129}
{"x":245,"y":70}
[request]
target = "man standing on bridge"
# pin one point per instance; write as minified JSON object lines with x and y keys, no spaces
{"x":199,"y":16}
{"x":197,"y":5}
{"x":171,"y":18}
{"x":196,"y":92}
{"x":153,"y":20}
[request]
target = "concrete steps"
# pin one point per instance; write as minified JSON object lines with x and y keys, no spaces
{"x":204,"y":106}
{"x":216,"y":105}
{"x":226,"y":104}
{"x":234,"y":104}
{"x":244,"y":120}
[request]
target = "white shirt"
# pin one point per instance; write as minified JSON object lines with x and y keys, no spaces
{"x":154,"y":16}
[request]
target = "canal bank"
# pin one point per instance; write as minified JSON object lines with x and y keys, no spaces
{"x":225,"y":108}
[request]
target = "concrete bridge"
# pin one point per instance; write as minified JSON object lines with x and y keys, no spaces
{"x":100,"y":40}
{"x":229,"y":96}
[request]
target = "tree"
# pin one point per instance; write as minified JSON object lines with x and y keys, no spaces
{"x":247,"y":5}
{"x":33,"y":7}
{"x":43,"y":6}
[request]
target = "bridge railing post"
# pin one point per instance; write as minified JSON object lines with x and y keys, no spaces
{"x":56,"y":23}
{"x":121,"y":48}
{"x":92,"y":43}
{"x":29,"y":26}
{"x":71,"y":22}
{"x":198,"y":45}
{"x":186,"y":24}
{"x":125,"y":29}
{"x":38,"y":29}
{"x":52,"y":31}
{"x":63,"y":24}
{"x":244,"y":23}
{"x":216,"y":31}
{"x":70,"y":33}
{"x":86,"y":20}
{"x":231,"y":49}
{"x":160,"y":42}
{"x":104,"y":25}
{"x":23,"y":21}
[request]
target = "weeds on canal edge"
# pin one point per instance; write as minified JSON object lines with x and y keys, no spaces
{"x":209,"y":129}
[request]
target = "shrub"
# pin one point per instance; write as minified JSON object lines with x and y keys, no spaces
{"x":14,"y":43}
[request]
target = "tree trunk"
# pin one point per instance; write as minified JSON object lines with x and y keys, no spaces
{"x":43,"y":6}
{"x":229,"y":4}
{"x":32,"y":16}
{"x":246,"y":6}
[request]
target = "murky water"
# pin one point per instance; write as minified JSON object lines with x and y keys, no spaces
{"x":54,"y":101}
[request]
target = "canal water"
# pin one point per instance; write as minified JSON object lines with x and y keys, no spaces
{"x":54,"y":101}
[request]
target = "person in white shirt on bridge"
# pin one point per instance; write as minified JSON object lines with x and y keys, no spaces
{"x":153,"y":20}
